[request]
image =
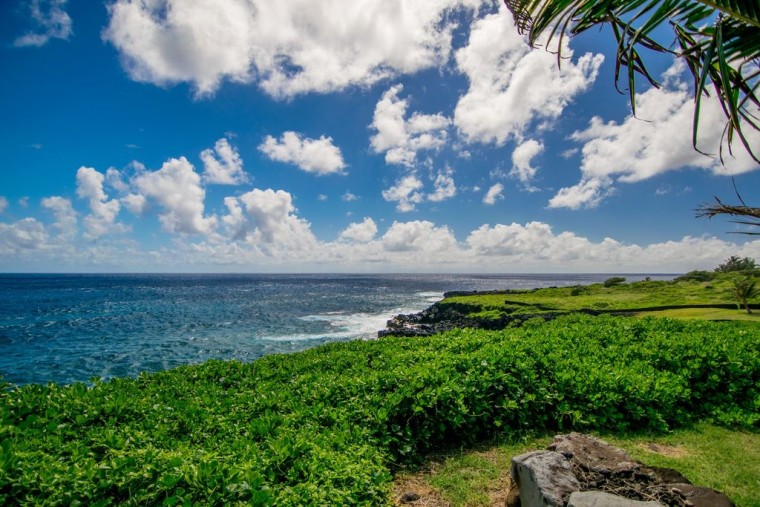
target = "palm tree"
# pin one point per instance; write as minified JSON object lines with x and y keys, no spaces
{"x":719,"y":40}
{"x":745,"y":289}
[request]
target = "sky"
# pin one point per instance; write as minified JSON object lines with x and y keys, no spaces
{"x":345,"y":136}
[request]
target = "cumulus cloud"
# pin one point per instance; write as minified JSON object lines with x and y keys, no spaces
{"x":589,"y":192}
{"x":401,"y":138}
{"x":3,"y":204}
{"x":102,"y":217}
{"x":135,"y":203}
{"x":522,"y":160}
{"x":51,"y":22}
{"x":444,"y":186}
{"x":26,"y":234}
{"x":290,"y":46}
{"x":114,"y":180}
{"x":360,"y":231}
{"x":658,"y":141}
{"x":267,"y":220}
{"x":535,"y":244}
{"x":65,"y":221}
{"x":176,"y":187}
{"x":406,"y":192}
{"x":494,"y":194}
{"x":418,"y":235}
{"x":349,"y":197}
{"x":222,"y":165}
{"x":511,"y":85}
{"x":318,"y":156}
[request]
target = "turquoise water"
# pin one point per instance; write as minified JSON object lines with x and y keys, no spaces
{"x":68,"y":328}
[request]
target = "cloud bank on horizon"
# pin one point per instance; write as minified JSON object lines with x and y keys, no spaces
{"x":434,"y":171}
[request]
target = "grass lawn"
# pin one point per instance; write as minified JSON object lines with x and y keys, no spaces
{"x":704,"y":314}
{"x":622,"y":297}
{"x":726,"y":460}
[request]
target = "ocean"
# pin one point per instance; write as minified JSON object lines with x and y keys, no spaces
{"x":73,"y":328}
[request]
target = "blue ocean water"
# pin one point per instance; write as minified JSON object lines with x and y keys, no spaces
{"x":69,"y":328}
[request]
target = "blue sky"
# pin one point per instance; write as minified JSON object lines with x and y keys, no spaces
{"x":376,"y":136}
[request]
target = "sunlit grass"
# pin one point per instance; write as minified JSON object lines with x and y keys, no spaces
{"x":704,"y":314}
{"x":710,"y":456}
{"x":624,"y":297}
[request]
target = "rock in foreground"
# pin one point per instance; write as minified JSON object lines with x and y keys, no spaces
{"x":606,"y":475}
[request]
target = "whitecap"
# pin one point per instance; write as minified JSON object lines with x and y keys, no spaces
{"x":360,"y":325}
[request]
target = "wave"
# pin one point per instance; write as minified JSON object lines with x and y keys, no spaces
{"x":341,"y":325}
{"x":430,"y":297}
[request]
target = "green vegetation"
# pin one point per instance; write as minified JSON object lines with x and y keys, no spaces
{"x":745,"y":289}
{"x":327,"y":426}
{"x":703,"y":314}
{"x":734,"y":263}
{"x":698,"y":288}
{"x":615,"y":280}
{"x":707,"y":455}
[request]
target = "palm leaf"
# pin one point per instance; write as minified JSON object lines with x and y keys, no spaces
{"x":718,"y":39}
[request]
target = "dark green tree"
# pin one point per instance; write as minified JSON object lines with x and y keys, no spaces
{"x":735,"y":263}
{"x":745,"y":289}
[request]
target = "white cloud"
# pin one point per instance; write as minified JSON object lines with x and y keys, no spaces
{"x":522,"y":159}
{"x":400,"y":138}
{"x":26,"y":234}
{"x":90,"y":184}
{"x":589,"y":192}
{"x":494,"y":193}
{"x":318,"y":156}
{"x":511,"y":85}
{"x":360,"y":231}
{"x":176,"y":188}
{"x":323,"y":197}
{"x":535,"y":244}
{"x":406,"y":193}
{"x":3,"y":204}
{"x":65,"y":217}
{"x":349,"y":197}
{"x":658,"y":141}
{"x":51,"y":22}
{"x":419,"y":235}
{"x":290,"y":46}
{"x":102,"y":217}
{"x":222,"y":165}
{"x":267,"y":220}
{"x":135,"y":203}
{"x":534,"y":238}
{"x":115,"y":181}
{"x":444,"y":185}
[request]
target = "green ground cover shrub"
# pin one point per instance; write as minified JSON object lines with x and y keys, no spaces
{"x":615,"y":280}
{"x":327,"y":426}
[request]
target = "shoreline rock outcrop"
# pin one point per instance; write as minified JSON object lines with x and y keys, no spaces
{"x":439,"y":318}
{"x":583,"y":471}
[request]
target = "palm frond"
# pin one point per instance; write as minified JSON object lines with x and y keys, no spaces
{"x":747,"y":215}
{"x":719,"y":40}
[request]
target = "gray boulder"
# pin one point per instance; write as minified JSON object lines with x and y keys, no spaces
{"x":544,"y":479}
{"x":593,"y":454}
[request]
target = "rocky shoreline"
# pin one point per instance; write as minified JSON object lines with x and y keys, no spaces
{"x":439,"y":318}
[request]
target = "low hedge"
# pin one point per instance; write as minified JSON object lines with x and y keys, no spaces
{"x":328,"y":426}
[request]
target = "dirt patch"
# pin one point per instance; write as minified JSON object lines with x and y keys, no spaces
{"x":416,"y":484}
{"x":672,"y":451}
